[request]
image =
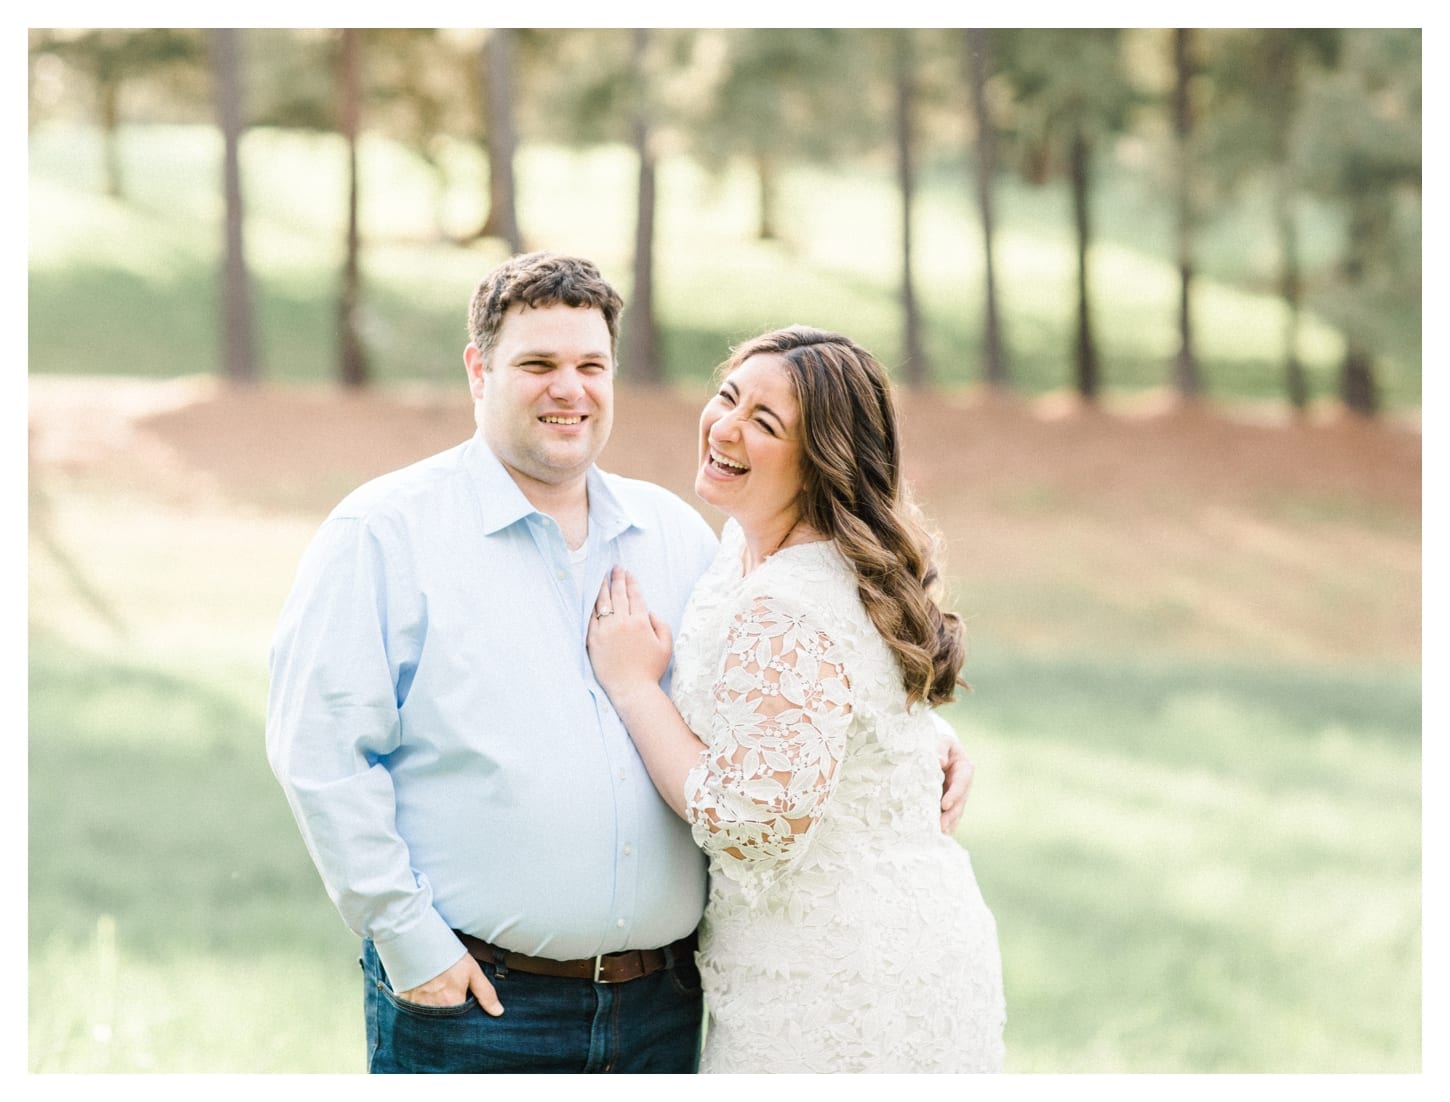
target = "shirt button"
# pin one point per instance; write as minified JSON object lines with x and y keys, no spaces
{"x":619,"y":922}
{"x":622,"y":775}
{"x":559,"y":574}
{"x":628,"y":850}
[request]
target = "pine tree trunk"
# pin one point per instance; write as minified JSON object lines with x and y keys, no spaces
{"x":1086,"y":358}
{"x":765,"y":189}
{"x":1357,"y":385}
{"x":916,"y":366}
{"x":1282,"y":105}
{"x":640,"y":343}
{"x":977,"y":53}
{"x":1186,"y":373}
{"x":352,"y":358}
{"x":1295,"y":382}
{"x":1367,"y":220}
{"x":239,"y":361}
{"x":500,"y":138}
{"x":110,"y":92}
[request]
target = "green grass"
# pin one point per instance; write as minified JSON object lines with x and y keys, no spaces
{"x":130,"y":287}
{"x":1194,"y":866}
{"x":1200,"y":868}
{"x":1182,"y":877}
{"x":174,"y":913}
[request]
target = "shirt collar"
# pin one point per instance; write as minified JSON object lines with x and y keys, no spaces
{"x":607,"y":513}
{"x":502,"y":503}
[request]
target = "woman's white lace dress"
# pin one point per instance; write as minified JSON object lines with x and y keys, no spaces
{"x":844,"y":931}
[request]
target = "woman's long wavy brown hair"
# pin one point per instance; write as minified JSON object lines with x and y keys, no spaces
{"x":853,"y":493}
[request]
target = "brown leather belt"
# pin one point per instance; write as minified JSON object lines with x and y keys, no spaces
{"x":608,"y":968}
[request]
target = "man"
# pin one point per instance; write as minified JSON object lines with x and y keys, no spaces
{"x":475,"y":808}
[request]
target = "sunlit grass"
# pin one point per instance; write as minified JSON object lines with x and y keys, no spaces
{"x":193,"y":1011}
{"x":191,"y":991}
{"x":1200,"y":868}
{"x":1182,"y":879}
{"x":121,"y":578}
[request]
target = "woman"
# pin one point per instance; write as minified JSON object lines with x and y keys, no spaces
{"x":843,"y":931}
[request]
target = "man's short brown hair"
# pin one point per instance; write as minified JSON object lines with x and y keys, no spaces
{"x":536,"y":280}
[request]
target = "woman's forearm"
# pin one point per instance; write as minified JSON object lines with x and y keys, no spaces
{"x":669,"y":748}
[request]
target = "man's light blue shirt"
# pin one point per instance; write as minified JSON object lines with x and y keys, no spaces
{"x":433,"y":718}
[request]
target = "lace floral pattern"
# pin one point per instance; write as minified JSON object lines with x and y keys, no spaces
{"x":778,"y":733}
{"x":843,"y":932}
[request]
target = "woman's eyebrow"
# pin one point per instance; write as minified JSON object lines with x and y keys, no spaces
{"x":766,"y":409}
{"x":760,"y":407}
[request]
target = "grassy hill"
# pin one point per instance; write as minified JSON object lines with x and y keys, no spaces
{"x":129,"y":287}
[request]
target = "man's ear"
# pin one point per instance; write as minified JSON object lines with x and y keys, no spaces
{"x":474,"y":364}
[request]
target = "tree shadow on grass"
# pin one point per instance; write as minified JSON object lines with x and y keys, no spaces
{"x":1163,"y":848}
{"x":1035,"y":694}
{"x":150,"y":800}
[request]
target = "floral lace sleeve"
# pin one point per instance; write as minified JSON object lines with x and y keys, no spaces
{"x":780,"y":712}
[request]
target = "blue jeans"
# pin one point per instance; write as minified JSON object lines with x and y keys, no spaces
{"x":549,"y":1024}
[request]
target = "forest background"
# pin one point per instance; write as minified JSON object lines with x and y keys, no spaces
{"x":1153,"y":300}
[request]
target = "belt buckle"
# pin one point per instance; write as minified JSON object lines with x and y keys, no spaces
{"x":598,"y":962}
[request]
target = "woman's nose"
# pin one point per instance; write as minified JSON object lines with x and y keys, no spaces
{"x":726,"y":428}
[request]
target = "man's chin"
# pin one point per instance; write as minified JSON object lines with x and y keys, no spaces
{"x":559,"y":464}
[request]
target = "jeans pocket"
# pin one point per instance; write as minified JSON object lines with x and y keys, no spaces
{"x":377,"y":979}
{"x":419,"y":1010}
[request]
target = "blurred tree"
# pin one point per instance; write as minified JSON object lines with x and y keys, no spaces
{"x":352,"y":357}
{"x":500,"y":136}
{"x":239,"y":357}
{"x":111,"y":59}
{"x":772,"y":96}
{"x":412,"y":88}
{"x":1068,"y":95}
{"x":429,"y":87}
{"x":903,"y":61}
{"x":977,"y":64}
{"x":1362,"y":128}
{"x":312,"y":79}
{"x":607,"y":85}
{"x":1256,"y":80}
{"x":292,"y":78}
{"x":1186,"y":375}
{"x":641,"y":331}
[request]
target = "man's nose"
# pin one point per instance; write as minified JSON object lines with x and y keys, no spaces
{"x":565,"y":385}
